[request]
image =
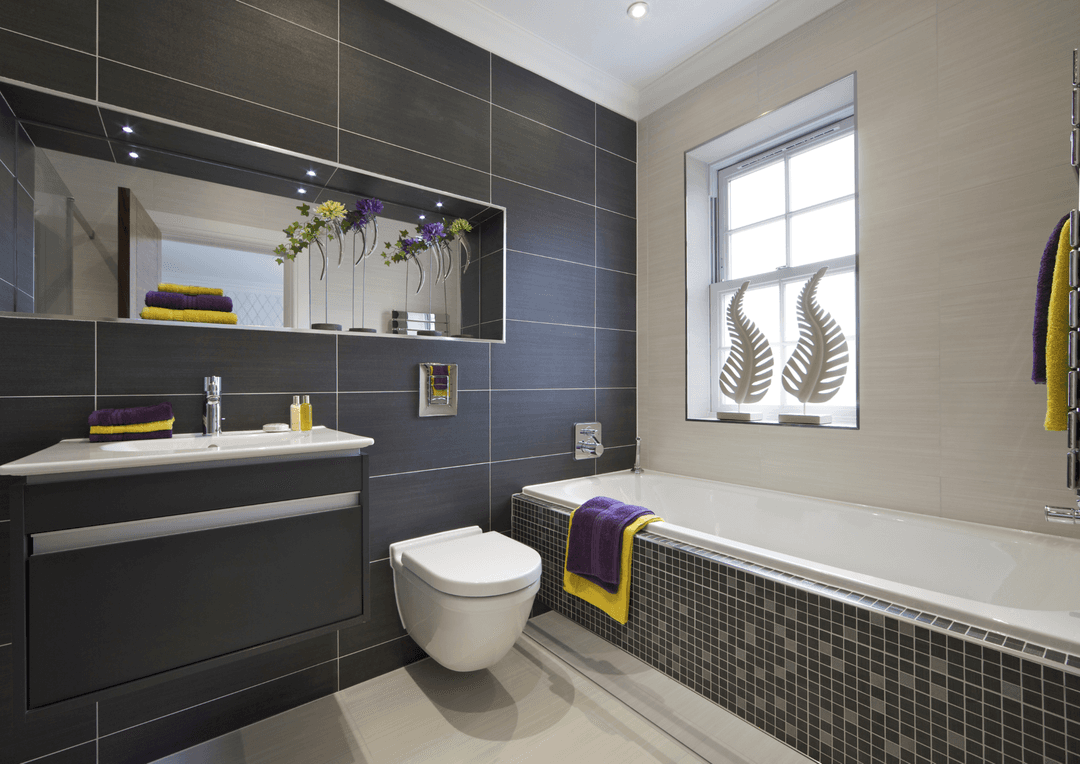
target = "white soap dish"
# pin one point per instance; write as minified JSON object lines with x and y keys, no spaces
{"x":276,"y":427}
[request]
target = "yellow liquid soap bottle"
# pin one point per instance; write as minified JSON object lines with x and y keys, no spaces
{"x":305,"y":413}
{"x":294,"y":414}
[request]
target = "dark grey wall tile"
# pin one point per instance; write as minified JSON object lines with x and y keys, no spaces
{"x":392,"y":363}
{"x":37,"y":423}
{"x":383,"y":623}
{"x":70,"y":143}
{"x":616,"y":133}
{"x":80,"y":754}
{"x":58,"y":357}
{"x":129,"y":88}
{"x":7,"y":293}
{"x":376,"y":661}
{"x":508,"y":478}
{"x":115,"y":714}
{"x":152,"y":359}
{"x":616,"y":410}
{"x":552,"y":291}
{"x":492,"y":288}
{"x":71,"y":23}
{"x":5,"y":585}
{"x":535,"y":97}
{"x":492,"y":232}
{"x":52,"y":108}
{"x":24,"y":303}
{"x":421,"y":503}
{"x":157,"y":738}
{"x":537,"y":422}
{"x":240,"y":411}
{"x":616,"y":184}
{"x":542,"y":355}
{"x":392,"y":104}
{"x":405,"y":164}
{"x":492,"y":330}
{"x":24,"y":241}
{"x":216,"y":45}
{"x":616,"y":242}
{"x":51,"y":66}
{"x":7,"y":742}
{"x":616,"y":459}
{"x":539,"y":156}
{"x":545,"y":224}
{"x":318,"y":15}
{"x":25,"y":161}
{"x":616,"y":358}
{"x":405,"y":442}
{"x":470,"y":302}
{"x":389,"y":32}
{"x":616,"y":300}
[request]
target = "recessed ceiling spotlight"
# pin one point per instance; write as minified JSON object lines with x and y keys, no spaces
{"x":127,"y":129}
{"x":637,"y":10}
{"x":311,"y":173}
{"x":438,"y":204}
{"x":301,"y":191}
{"x":133,"y":154}
{"x":421,"y":217}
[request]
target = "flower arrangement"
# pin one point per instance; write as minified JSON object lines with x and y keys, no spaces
{"x":330,"y":219}
{"x":435,"y":236}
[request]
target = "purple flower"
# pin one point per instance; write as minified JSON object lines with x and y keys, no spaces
{"x":369,"y":207}
{"x":433,"y":232}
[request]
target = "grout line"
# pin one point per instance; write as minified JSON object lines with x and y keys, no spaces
{"x":97,"y":61}
{"x":571,"y":262}
{"x":337,"y":133}
{"x":337,"y":659}
{"x":53,"y":753}
{"x":491,"y":130}
{"x":413,"y":71}
{"x":289,"y":21}
{"x":430,"y":469}
{"x":95,"y":365}
{"x":42,"y":39}
{"x":380,"y":644}
{"x":97,"y":732}
{"x":544,"y":124}
{"x":564,"y":196}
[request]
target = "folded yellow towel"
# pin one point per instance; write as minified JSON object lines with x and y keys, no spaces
{"x":196,"y":316}
{"x":1057,"y":339}
{"x":165,"y":424}
{"x":616,"y":604}
{"x":193,"y":290}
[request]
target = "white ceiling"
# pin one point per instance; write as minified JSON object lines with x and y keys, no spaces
{"x":632,"y":66}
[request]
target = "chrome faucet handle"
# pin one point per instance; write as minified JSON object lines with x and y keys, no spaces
{"x":637,"y":459}
{"x":212,"y":385}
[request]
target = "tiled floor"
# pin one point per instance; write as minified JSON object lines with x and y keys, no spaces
{"x":561,"y":695}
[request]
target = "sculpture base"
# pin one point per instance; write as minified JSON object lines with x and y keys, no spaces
{"x":367,"y":329}
{"x":739,"y":416}
{"x":327,"y":327}
{"x":804,"y":419}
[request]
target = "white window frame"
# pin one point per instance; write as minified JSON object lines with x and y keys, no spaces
{"x":774,"y":129}
{"x":786,"y":274}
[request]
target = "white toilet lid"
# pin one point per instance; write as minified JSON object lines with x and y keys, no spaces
{"x":483,"y":565}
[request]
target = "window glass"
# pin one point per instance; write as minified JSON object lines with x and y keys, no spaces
{"x":756,"y":196}
{"x":823,"y":233}
{"x":757,"y":249}
{"x":823,"y":173}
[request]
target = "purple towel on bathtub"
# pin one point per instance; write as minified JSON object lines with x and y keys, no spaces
{"x":1042,"y":304}
{"x":594,"y":550}
{"x":137,"y":415}
{"x":174,"y":301}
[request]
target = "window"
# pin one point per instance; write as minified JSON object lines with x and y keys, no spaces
{"x":779,"y":207}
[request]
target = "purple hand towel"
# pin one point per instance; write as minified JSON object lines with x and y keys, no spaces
{"x":594,"y":550}
{"x":138,"y":415}
{"x":1042,"y":304}
{"x":175,"y":301}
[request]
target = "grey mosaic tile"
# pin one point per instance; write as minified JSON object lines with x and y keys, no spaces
{"x":839,"y":676}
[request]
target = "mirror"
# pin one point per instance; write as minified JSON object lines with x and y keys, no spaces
{"x":114,"y":217}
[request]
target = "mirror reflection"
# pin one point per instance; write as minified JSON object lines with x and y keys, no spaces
{"x":107,"y":235}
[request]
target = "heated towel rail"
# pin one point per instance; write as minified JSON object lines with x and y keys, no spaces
{"x":1073,"y":456}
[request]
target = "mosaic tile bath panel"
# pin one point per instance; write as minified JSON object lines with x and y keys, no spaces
{"x":837,"y":678}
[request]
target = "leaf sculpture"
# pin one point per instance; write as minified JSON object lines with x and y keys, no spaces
{"x":816,"y":369}
{"x":747,"y":374}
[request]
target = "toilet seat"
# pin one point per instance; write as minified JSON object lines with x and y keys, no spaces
{"x":479,"y":565}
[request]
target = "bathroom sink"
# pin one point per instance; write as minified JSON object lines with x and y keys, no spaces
{"x":82,"y":456}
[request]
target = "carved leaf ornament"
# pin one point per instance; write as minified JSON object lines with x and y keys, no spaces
{"x":747,"y":373}
{"x":816,"y":369}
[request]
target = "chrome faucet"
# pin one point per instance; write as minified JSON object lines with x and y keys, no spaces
{"x":637,"y":459}
{"x":212,"y":418}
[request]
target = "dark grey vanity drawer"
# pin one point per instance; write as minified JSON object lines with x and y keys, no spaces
{"x":109,"y":613}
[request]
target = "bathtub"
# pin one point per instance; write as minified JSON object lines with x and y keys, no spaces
{"x":1014,"y":583}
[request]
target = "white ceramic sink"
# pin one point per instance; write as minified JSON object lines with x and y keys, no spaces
{"x":83,"y":456}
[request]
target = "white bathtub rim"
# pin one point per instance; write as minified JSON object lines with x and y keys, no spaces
{"x":1055,"y":629}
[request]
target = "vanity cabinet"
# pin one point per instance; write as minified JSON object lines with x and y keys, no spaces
{"x":127,"y":578}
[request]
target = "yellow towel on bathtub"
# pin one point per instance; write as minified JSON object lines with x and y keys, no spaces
{"x":1057,"y":339}
{"x":616,"y":604}
{"x":196,"y":316}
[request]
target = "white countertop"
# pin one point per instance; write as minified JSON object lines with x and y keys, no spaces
{"x":80,"y":455}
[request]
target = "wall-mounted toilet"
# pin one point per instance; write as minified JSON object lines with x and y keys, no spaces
{"x":463,"y":595}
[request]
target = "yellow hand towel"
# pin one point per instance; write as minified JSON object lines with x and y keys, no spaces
{"x":616,"y":604}
{"x":193,"y":290}
{"x":165,"y":424}
{"x":1057,"y":338}
{"x":196,"y":316}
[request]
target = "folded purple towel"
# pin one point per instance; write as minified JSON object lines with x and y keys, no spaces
{"x":594,"y":550}
{"x":138,"y":415}
{"x":1042,"y":304}
{"x":174,"y":301}
{"x":131,"y":436}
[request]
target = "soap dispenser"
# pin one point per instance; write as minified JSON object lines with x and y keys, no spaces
{"x":305,"y":413}
{"x":294,"y":413}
